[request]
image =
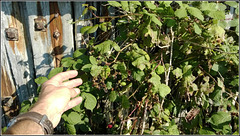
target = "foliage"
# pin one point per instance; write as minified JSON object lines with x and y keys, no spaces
{"x":167,"y":68}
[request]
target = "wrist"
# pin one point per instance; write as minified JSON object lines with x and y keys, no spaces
{"x":41,"y":109}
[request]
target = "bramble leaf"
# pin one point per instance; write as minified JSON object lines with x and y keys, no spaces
{"x":114,"y":3}
{"x":41,"y":80}
{"x":92,"y":29}
{"x":55,"y":71}
{"x":181,"y":13}
{"x":195,"y":12}
{"x":113,"y":96}
{"x":125,"y":102}
{"x":90,"y":101}
{"x":197,"y":29}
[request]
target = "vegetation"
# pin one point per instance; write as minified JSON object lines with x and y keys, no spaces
{"x":156,"y":67}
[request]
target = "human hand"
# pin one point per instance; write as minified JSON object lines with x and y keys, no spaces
{"x":55,"y":96}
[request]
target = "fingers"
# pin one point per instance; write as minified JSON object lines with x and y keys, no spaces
{"x":74,"y":102}
{"x":59,"y":78}
{"x":74,"y":92}
{"x":73,"y":83}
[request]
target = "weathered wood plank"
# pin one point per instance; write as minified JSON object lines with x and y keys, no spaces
{"x":48,"y":50}
{"x":17,"y":53}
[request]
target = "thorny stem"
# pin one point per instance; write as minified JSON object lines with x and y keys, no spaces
{"x":196,"y":44}
{"x":112,"y":17}
{"x":207,"y":74}
{"x":171,"y":54}
{"x":144,"y":116}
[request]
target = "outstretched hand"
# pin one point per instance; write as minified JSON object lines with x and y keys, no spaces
{"x":55,"y":96}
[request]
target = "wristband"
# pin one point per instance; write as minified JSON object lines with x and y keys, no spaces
{"x":42,"y":120}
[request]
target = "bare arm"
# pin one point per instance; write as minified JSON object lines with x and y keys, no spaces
{"x":54,"y":100}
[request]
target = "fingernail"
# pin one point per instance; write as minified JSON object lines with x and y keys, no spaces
{"x":79,"y":80}
{"x":77,"y":90}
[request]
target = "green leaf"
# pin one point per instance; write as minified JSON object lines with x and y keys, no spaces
{"x":173,"y":130}
{"x":206,"y":131}
{"x":197,"y":29}
{"x":140,"y":63}
{"x":138,"y":75}
{"x":41,"y":80}
{"x":177,"y":72}
{"x":234,"y":22}
{"x":219,"y":15}
{"x":220,"y":82}
{"x":103,"y":26}
{"x":84,"y":11}
{"x":125,"y":102}
{"x":205,"y":6}
{"x":150,"y":5}
{"x":216,"y":96}
{"x":157,"y":108}
{"x":135,"y":3}
{"x":181,"y":13}
{"x":67,"y":62}
{"x":220,"y":118}
{"x":84,"y":5}
{"x":164,"y":90}
{"x":55,"y":71}
{"x":87,"y":67}
{"x":92,"y":8}
{"x":122,"y":68}
{"x":105,"y":72}
{"x":215,"y":67}
{"x":171,"y":22}
{"x":195,"y":12}
{"x":232,"y":3}
{"x":156,"y":132}
{"x":216,"y":30}
{"x":155,"y":79}
{"x":109,"y":85}
{"x":85,"y":128}
{"x":103,"y":47}
{"x":70,"y":129}
{"x":74,"y":118}
{"x":77,"y":108}
{"x":95,"y":70}
{"x":115,"y":46}
{"x":90,"y":102}
{"x":125,"y":5}
{"x":160,"y":70}
{"x":85,"y":29}
{"x":86,"y":87}
{"x":25,"y":106}
{"x":113,"y":96}
{"x":156,"y":21}
{"x":92,"y":29}
{"x":93,"y":60}
{"x":114,"y":3}
{"x":79,"y":52}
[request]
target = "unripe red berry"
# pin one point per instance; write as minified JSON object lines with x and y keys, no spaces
{"x":110,"y":126}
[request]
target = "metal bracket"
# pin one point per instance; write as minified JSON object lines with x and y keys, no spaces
{"x":40,"y":24}
{"x":11,"y":34}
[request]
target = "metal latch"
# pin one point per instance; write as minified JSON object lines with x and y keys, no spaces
{"x":11,"y":34}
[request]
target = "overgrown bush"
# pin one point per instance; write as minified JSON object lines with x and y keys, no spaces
{"x":157,"y":67}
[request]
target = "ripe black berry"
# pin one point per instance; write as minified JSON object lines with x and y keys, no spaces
{"x":103,"y":64}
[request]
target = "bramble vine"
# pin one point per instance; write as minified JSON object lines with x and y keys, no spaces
{"x":171,"y":68}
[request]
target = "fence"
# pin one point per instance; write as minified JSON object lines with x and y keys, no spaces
{"x":34,"y":38}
